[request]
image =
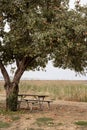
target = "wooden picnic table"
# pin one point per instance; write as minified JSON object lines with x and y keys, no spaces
{"x":36,"y":98}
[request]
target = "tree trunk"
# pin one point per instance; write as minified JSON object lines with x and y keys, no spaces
{"x":11,"y":96}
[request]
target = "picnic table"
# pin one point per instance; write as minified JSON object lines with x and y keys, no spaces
{"x":32,"y":99}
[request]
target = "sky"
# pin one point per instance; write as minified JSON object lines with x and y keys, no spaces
{"x":52,"y":73}
{"x":82,"y":2}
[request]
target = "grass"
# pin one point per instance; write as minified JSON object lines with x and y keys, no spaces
{"x":34,"y":129}
{"x":4,"y":124}
{"x":8,"y":113}
{"x":57,"y":89}
{"x":66,"y":90}
{"x":44,"y":121}
{"x":81,"y":123}
{"x":9,"y":117}
{"x":15,"y":118}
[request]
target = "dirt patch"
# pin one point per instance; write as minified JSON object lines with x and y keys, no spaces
{"x":63,"y":113}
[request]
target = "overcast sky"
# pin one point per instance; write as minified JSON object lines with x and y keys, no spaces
{"x":52,"y":73}
{"x":82,"y":2}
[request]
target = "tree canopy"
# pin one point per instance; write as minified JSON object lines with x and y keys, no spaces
{"x":42,"y":30}
{"x":39,"y":31}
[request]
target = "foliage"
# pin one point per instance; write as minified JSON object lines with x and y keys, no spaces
{"x":71,"y":51}
{"x":43,"y":30}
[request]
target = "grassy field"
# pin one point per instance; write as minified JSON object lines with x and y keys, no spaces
{"x":63,"y":115}
{"x":57,"y":89}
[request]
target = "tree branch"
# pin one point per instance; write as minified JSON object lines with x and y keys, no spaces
{"x":20,"y":70}
{"x":24,"y":63}
{"x":17,"y":63}
{"x":4,"y":73}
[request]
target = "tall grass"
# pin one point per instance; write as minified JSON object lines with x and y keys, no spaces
{"x":57,"y":89}
{"x":65,"y":90}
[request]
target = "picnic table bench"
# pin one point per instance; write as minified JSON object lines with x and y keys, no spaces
{"x":38,"y":99}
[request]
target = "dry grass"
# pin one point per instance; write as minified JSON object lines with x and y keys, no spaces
{"x":57,"y":89}
{"x":64,"y":115}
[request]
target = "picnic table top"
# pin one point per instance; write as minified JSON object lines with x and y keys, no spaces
{"x":38,"y":95}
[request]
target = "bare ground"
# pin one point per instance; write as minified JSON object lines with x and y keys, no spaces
{"x":63,"y":113}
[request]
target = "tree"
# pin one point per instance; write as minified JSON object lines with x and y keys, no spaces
{"x":39,"y":31}
{"x":73,"y":42}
